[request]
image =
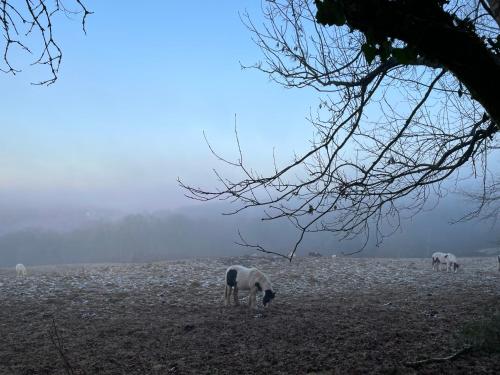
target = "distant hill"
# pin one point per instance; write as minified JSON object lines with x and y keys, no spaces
{"x":60,"y":219}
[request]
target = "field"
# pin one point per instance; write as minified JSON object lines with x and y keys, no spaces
{"x":330,"y":316}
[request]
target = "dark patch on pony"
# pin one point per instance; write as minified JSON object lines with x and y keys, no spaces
{"x":259,"y":288}
{"x":268,"y":296}
{"x":231,"y":277}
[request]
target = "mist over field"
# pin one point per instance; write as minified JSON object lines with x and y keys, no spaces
{"x":71,"y":234}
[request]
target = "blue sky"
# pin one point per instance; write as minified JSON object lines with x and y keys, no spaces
{"x":134,"y":95}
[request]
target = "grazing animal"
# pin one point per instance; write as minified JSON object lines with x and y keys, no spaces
{"x":438,"y":258}
{"x":20,"y":270}
{"x":448,"y":260}
{"x":239,"y":277}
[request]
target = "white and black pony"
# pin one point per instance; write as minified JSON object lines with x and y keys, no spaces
{"x":243,"y":278}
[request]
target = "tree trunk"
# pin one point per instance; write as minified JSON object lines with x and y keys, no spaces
{"x":495,"y":9}
{"x":424,"y":25}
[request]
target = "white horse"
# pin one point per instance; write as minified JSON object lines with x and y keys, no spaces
{"x":20,"y":270}
{"x":239,"y":277}
{"x":448,"y":260}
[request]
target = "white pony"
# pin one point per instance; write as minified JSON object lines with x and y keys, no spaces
{"x":239,"y":277}
{"x":20,"y":270}
{"x":448,"y":260}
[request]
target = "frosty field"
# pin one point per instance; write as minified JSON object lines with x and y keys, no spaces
{"x":330,"y":316}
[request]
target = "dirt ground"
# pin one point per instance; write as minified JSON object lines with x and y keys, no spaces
{"x":330,"y":316}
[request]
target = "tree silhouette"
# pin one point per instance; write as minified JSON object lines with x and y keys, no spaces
{"x":410,"y":100}
{"x":29,"y":26}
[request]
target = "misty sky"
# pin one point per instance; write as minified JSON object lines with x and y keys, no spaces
{"x":127,"y":114}
{"x":134,"y":95}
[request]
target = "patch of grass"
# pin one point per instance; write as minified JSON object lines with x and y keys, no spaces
{"x":484,"y":334}
{"x":195,"y":284}
{"x":313,"y":280}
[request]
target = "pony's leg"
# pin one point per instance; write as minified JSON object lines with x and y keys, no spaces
{"x":226,"y":295}
{"x":250,"y":298}
{"x":253,"y":298}
{"x":235,"y":294}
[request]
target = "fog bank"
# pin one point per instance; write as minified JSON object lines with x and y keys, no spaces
{"x":88,"y":236}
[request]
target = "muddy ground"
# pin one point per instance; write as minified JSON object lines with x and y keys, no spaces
{"x":330,"y":316}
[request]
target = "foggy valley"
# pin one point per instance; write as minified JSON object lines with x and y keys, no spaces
{"x":46,"y":235}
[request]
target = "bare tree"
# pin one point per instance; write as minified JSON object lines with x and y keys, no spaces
{"x":487,"y":203}
{"x":410,"y":100}
{"x":29,"y":27}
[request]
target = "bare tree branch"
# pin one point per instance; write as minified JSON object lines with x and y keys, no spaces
{"x":33,"y":22}
{"x":451,"y":357}
{"x":398,"y":118}
{"x":58,"y":343}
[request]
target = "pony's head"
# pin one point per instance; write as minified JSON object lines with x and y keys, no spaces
{"x":268,"y":296}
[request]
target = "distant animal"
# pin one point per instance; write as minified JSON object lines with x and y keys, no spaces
{"x":21,"y":270}
{"x":438,"y":258}
{"x":448,"y":260}
{"x":314,"y":254}
{"x":451,"y":262}
{"x":243,"y":278}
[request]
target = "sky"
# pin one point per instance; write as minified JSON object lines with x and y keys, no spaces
{"x":135,"y":94}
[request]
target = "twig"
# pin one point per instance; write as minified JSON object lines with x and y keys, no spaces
{"x":244,"y":243}
{"x":439,"y":359}
{"x":58,"y":343}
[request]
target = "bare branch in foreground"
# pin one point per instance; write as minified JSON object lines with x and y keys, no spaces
{"x":390,"y":131}
{"x":244,"y":243}
{"x":33,"y":23}
{"x":451,"y":357}
{"x":57,"y":341}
